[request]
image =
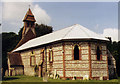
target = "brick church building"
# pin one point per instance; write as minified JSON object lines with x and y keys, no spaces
{"x":73,"y":51}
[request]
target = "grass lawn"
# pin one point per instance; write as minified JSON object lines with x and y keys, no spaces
{"x":34,"y":80}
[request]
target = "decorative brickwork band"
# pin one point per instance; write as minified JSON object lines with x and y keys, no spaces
{"x":64,"y":60}
{"x":90,"y":74}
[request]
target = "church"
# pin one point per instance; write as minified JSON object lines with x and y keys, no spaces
{"x":74,"y":51}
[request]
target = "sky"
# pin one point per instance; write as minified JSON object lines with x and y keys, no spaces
{"x":100,"y":17}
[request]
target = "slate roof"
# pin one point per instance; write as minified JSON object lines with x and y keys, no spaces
{"x":73,"y":32}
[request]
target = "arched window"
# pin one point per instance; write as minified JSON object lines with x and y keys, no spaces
{"x":98,"y":53}
{"x":76,"y":52}
{"x":32,"y":58}
{"x":50,"y":56}
{"x":32,"y":52}
{"x":43,"y":55}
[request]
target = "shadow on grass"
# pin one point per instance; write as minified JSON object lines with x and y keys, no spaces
{"x":9,"y":78}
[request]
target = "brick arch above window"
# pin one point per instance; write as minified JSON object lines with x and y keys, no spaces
{"x":32,"y":52}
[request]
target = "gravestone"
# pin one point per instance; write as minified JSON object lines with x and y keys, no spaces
{"x":6,"y":73}
{"x":101,"y":78}
{"x":55,"y":73}
{"x":45,"y":77}
{"x":86,"y":77}
{"x":73,"y":78}
{"x":13,"y":72}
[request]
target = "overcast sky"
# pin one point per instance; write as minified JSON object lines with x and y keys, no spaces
{"x":100,"y":17}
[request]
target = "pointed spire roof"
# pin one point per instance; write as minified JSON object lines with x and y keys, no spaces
{"x":29,"y":12}
{"x":29,"y":16}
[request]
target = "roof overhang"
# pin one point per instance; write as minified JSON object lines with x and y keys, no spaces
{"x":64,"y":40}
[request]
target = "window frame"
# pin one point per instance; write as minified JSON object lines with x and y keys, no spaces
{"x":31,"y":61}
{"x":42,"y":55}
{"x":32,"y":55}
{"x":50,"y":53}
{"x":79,"y":47}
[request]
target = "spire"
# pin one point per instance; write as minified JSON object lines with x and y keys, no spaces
{"x":29,"y":12}
{"x":29,"y":16}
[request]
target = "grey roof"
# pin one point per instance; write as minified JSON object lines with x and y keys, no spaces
{"x":73,"y":32}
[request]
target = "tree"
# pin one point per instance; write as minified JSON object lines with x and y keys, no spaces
{"x":42,"y":29}
{"x":39,"y":29}
{"x":114,"y":48}
{"x":9,"y":41}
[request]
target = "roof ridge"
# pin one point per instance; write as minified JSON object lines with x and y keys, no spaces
{"x":91,"y":31}
{"x":85,"y":31}
{"x":62,"y":29}
{"x":68,"y":32}
{"x":52,"y":32}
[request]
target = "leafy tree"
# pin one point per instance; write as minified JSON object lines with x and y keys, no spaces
{"x":114,"y":48}
{"x":9,"y":41}
{"x":39,"y":29}
{"x":42,"y":29}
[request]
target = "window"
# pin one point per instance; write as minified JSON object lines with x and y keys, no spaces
{"x":42,"y":55}
{"x":32,"y":52}
{"x":32,"y":58}
{"x":32,"y":61}
{"x":32,"y":24}
{"x":50,"y":56}
{"x":98,"y":53}
{"x":27,"y":24}
{"x":76,"y":52}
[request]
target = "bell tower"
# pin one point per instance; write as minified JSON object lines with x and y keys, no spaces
{"x":29,"y":23}
{"x":28,"y":32}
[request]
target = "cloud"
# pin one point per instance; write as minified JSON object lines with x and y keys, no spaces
{"x":40,"y":15}
{"x":14,"y":12}
{"x":111,"y":32}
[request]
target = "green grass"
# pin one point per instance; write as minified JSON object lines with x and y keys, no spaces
{"x":31,"y":79}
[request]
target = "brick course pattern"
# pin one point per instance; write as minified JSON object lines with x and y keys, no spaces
{"x":77,"y":68}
